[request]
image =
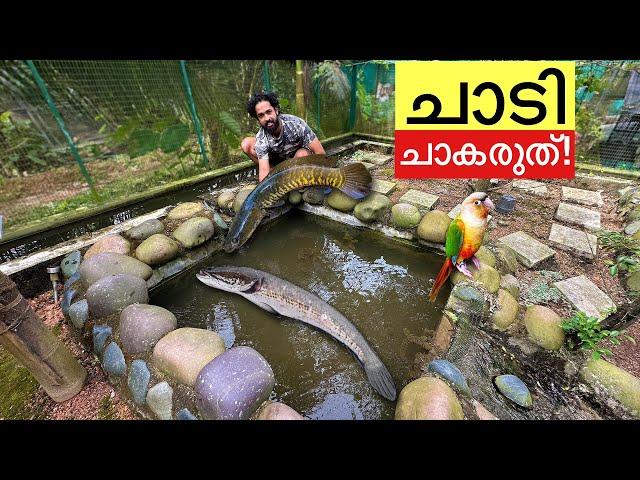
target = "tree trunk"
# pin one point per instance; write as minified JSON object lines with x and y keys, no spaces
{"x":300,"y":108}
{"x":24,"y":335}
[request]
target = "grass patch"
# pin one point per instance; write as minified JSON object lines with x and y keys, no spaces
{"x":106,"y":409}
{"x":17,"y":386}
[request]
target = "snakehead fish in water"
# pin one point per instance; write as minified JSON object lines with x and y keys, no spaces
{"x":293,"y":174}
{"x":281,"y":297}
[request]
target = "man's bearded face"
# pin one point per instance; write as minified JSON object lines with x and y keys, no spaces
{"x":267,"y":116}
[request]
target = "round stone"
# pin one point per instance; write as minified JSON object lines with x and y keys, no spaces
{"x":182,"y":353}
{"x":112,"y":294}
{"x":186,"y":210}
{"x":107,"y":264}
{"x":433,"y":226}
{"x":278,"y":411}
{"x":295,"y":197}
{"x":428,"y":398}
{"x":511,"y":285}
{"x":113,"y":360}
{"x":633,"y":282}
{"x":486,"y":275}
{"x":543,"y":326}
{"x":482,"y":412}
{"x":448,"y":371}
{"x":160,"y":400}
{"x":157,"y":249}
{"x":101,"y":334}
{"x":185,"y":414}
{"x":617,"y":382}
{"x":145,"y":229}
{"x":514,"y":389}
{"x":141,"y":326}
{"x":109,"y":243}
{"x":405,"y":215}
{"x":71,"y":280}
{"x":138,"y":381}
{"x":471,"y":297}
{"x":507,"y":310}
{"x":373,"y":208}
{"x":79,"y":313}
{"x":225,"y":200}
{"x":234,"y":384}
{"x":486,"y":256}
{"x":241,"y":196}
{"x":219,"y":221}
{"x":67,"y":297}
{"x":506,"y":260}
{"x":314,"y":195}
{"x":194,"y":232}
{"x":70,"y":264}
{"x":341,"y":201}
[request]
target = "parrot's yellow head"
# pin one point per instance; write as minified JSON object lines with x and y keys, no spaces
{"x":477,"y":205}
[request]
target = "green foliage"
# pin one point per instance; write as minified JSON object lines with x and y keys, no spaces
{"x":541,"y":291}
{"x":26,"y":150}
{"x":589,"y":333}
{"x":106,"y":409}
{"x":333,"y":80}
{"x":17,"y":386}
{"x":625,"y":247}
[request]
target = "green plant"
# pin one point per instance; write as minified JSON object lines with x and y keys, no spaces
{"x":625,"y":247}
{"x":623,"y":263}
{"x":589,"y":333}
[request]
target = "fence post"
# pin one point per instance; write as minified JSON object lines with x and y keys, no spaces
{"x":63,"y":128}
{"x":194,"y":113}
{"x":266,"y":78}
{"x":300,"y":90}
{"x":318,"y":114}
{"x":352,"y":108}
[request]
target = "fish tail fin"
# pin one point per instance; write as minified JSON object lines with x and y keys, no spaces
{"x":357,"y":180}
{"x":443,"y":274}
{"x":380,"y":378}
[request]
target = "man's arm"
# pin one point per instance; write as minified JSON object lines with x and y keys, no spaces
{"x":316,"y":147}
{"x":263,"y":168}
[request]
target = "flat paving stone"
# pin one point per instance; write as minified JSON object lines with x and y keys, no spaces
{"x":583,"y":197}
{"x":585,"y":296}
{"x":531,"y":186}
{"x":529,"y":251}
{"x":421,"y":200}
{"x":576,"y":241}
{"x":455,"y":211}
{"x":632,"y":228}
{"x":377,"y":158}
{"x":382,"y":186}
{"x":590,"y":219}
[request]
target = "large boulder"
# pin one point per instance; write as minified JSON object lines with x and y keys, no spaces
{"x":186,"y":210}
{"x":141,"y":326}
{"x":486,"y":275}
{"x":106,"y":264}
{"x":242,"y":194}
{"x":109,"y":243}
{"x":278,"y":411}
{"x":618,"y":383}
{"x":182,"y":353}
{"x":341,"y":201}
{"x":194,"y":232}
{"x":112,"y":294}
{"x":405,"y":215}
{"x":428,"y":398}
{"x":507,"y":310}
{"x":543,"y":326}
{"x":233,"y":385}
{"x":373,"y":208}
{"x":145,"y":230}
{"x":433,"y":226}
{"x":157,"y":249}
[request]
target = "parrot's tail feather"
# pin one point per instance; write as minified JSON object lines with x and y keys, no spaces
{"x":444,"y":273}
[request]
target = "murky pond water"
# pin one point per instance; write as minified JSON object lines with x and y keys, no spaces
{"x":379,"y":284}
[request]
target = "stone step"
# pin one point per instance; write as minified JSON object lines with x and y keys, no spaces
{"x":583,"y":197}
{"x":529,"y":251}
{"x":585,"y":296}
{"x":382,"y":186}
{"x":590,"y":219}
{"x":531,"y":186}
{"x":455,"y":211}
{"x":377,"y":158}
{"x":575,"y":241}
{"x":422,"y":200}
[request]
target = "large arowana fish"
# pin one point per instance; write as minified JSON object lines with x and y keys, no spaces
{"x":293,"y":174}
{"x":278,"y":296}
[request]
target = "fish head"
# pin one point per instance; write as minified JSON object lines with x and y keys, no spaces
{"x":229,"y":278}
{"x":244,"y":224}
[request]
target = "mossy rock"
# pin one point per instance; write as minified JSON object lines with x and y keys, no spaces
{"x":157,"y":249}
{"x":433,"y":226}
{"x":405,"y":215}
{"x":486,"y":275}
{"x":634,"y":214}
{"x":507,"y":311}
{"x":241,"y":196}
{"x":428,"y":398}
{"x":225,"y":200}
{"x":109,"y":243}
{"x":186,"y":210}
{"x":194,"y":232}
{"x":511,"y":285}
{"x":633,"y":282}
{"x":295,"y":197}
{"x":373,"y":208}
{"x":341,"y":201}
{"x":314,"y":195}
{"x":506,"y":260}
{"x":145,"y":230}
{"x":543,"y":326}
{"x":486,"y":256}
{"x":617,"y":382}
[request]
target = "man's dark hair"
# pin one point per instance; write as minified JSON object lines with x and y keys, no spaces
{"x":270,"y":97}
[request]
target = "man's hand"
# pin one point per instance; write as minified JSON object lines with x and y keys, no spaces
{"x":263,"y":168}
